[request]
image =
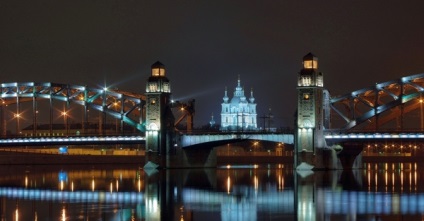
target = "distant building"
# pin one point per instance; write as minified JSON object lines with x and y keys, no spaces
{"x":238,"y":113}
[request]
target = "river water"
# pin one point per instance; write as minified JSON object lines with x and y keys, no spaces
{"x":384,"y":191}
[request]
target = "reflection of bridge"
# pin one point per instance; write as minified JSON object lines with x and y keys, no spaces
{"x":327,"y":202}
{"x":72,"y":196}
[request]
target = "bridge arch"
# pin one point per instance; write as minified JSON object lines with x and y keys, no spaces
{"x":124,"y":106}
{"x":373,"y":107}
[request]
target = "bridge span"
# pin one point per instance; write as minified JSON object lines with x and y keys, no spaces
{"x":92,"y":140}
{"x":187,"y":140}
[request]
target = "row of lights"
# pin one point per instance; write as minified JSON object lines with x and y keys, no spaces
{"x":373,"y":136}
{"x":72,"y":139}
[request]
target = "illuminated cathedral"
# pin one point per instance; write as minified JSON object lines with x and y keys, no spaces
{"x":238,"y":113}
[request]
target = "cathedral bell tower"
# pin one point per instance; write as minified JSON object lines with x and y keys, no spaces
{"x":159,"y":117}
{"x":310,"y":110}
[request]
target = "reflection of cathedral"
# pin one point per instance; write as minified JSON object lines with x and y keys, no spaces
{"x":239,"y":113}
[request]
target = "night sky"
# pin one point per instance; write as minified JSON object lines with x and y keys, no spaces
{"x":206,"y":45}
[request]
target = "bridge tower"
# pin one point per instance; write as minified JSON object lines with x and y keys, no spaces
{"x":159,"y":117}
{"x":312,"y":116}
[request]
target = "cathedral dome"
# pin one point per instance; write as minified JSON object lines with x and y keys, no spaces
{"x":235,"y":100}
{"x":240,"y":112}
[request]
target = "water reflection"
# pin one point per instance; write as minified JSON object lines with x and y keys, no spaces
{"x":384,"y":191}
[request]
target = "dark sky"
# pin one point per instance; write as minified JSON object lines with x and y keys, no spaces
{"x":205,"y":45}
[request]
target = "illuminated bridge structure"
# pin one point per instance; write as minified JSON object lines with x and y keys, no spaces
{"x":391,"y":110}
{"x":191,"y":140}
{"x":80,"y":140}
{"x":395,"y":105}
{"x":124,"y":106}
{"x":391,"y":107}
{"x":22,"y":101}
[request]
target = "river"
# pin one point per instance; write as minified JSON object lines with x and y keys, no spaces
{"x":380,"y":191}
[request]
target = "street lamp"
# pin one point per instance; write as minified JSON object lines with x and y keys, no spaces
{"x":17,"y":116}
{"x":115,"y":105}
{"x":65,"y":121}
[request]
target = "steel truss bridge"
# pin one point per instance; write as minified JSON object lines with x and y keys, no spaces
{"x":392,"y":107}
{"x":125,"y":107}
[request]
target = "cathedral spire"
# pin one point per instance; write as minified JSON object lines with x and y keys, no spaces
{"x":251,"y":99}
{"x":225,"y":98}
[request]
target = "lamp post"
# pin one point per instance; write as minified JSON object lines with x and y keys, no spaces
{"x":17,"y":116}
{"x":421,"y":108}
{"x":115,"y":105}
{"x":65,"y":122}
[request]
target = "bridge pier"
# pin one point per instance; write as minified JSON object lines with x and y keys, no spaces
{"x":350,"y":156}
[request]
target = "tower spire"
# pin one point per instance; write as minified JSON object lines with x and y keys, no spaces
{"x":251,"y":99}
{"x":225,"y":98}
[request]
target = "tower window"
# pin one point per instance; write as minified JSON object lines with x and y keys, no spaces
{"x":153,"y":87}
{"x":158,"y":72}
{"x":310,"y":64}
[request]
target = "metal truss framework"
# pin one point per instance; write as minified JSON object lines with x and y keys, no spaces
{"x":127,"y":107}
{"x":378,"y":104}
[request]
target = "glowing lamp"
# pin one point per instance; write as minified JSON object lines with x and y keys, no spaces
{"x":158,"y":69}
{"x":153,"y":126}
{"x":310,"y":61}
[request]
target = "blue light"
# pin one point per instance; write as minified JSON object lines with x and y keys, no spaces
{"x":63,"y":150}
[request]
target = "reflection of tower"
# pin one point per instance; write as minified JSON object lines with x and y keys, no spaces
{"x":159,"y":118}
{"x":310,"y":111}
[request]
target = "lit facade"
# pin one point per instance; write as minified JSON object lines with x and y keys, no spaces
{"x":239,"y":112}
{"x":159,"y":117}
{"x":311,"y":107}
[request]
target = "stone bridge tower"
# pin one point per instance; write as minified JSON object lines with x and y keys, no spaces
{"x":312,"y":117}
{"x":159,"y":117}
